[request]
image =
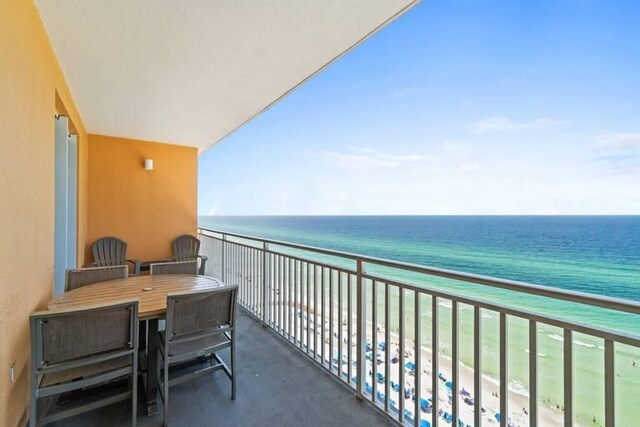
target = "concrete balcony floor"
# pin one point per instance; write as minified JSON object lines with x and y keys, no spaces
{"x":277,"y":386}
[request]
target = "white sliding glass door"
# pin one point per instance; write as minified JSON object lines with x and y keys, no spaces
{"x":66,"y":184}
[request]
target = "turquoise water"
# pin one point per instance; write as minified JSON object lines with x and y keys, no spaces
{"x":599,"y":255}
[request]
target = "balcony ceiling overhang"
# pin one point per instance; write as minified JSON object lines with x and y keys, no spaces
{"x":191,"y":72}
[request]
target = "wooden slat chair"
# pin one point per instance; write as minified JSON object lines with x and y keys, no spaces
{"x":199,"y":324}
{"x":111,"y":251}
{"x":77,"y":278}
{"x":179,"y":267}
{"x":77,"y":349}
{"x":187,"y":248}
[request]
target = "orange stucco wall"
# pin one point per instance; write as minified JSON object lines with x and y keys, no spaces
{"x":30,"y":78}
{"x":147,"y":209}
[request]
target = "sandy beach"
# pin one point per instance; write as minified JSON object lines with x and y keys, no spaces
{"x":518,"y":401}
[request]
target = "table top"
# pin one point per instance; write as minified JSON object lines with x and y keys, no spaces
{"x":152,"y":301}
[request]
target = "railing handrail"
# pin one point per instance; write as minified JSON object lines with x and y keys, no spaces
{"x":619,"y":304}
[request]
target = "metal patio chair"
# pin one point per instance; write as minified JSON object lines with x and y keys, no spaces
{"x":77,"y":278}
{"x":199,"y":324}
{"x":79,"y":349}
{"x":111,"y":251}
{"x":178,"y":267}
{"x":187,"y":248}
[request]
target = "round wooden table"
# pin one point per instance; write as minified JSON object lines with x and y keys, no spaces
{"x":151,"y":292}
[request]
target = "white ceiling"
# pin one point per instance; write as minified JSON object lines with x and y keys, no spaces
{"x":192,"y":71}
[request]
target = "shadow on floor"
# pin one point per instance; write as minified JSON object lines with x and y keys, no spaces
{"x":277,"y":386}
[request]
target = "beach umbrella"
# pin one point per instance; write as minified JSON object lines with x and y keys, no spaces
{"x":382,"y":346}
{"x":425,"y":423}
{"x":410,"y":366}
{"x":448,"y":384}
{"x":424,"y":404}
{"x":498,"y":416}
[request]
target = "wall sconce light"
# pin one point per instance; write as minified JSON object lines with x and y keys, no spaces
{"x":148,"y":164}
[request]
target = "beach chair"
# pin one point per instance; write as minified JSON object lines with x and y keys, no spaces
{"x":73,"y":350}
{"x":187,"y":248}
{"x":77,"y":278}
{"x":198,"y":324}
{"x":111,"y":251}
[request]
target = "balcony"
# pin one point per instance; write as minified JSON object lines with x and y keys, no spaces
{"x":355,"y":317}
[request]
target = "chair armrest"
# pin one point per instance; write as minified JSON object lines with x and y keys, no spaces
{"x":136,"y":266}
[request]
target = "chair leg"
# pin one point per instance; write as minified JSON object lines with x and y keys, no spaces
{"x":134,"y":398}
{"x":33,"y":410}
{"x":233,"y":365}
{"x":165,"y":386}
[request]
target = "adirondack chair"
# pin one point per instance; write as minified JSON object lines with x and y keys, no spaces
{"x":187,"y":248}
{"x":110,"y":251}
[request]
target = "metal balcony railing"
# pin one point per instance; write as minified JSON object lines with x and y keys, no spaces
{"x":350,"y":315}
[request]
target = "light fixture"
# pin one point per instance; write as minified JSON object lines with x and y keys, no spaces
{"x":148,"y":164}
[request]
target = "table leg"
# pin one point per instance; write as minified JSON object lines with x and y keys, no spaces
{"x":142,"y":336}
{"x":152,"y":367}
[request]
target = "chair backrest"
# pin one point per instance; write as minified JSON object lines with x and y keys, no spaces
{"x":179,"y":267}
{"x":186,"y":248}
{"x":201,"y":311}
{"x":80,"y":277}
{"x":109,"y":251}
{"x":60,"y":336}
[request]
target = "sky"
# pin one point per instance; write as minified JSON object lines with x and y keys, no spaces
{"x":456,"y":108}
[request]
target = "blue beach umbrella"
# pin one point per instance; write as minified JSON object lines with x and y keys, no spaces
{"x":410,"y":366}
{"x":425,"y":423}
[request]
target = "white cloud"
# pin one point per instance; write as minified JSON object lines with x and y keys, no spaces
{"x":367,"y":157}
{"x":504,"y":124}
{"x":619,"y":140}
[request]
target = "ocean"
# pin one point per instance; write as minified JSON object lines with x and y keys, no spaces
{"x":594,"y":254}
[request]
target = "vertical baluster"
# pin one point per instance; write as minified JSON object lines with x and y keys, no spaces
{"x":340,"y":324}
{"x":308,"y":310}
{"x":533,"y":373}
{"x":300,"y":302}
{"x":265,"y":284}
{"x":417,"y":328}
{"x":387,"y":352}
{"x":477,"y":368}
{"x":254,"y":281}
{"x":331,"y":341}
{"x":289,"y":297}
{"x":609,"y":383}
{"x":322,"y":315}
{"x":296,"y":333}
{"x":223,"y":259}
{"x":401,"y":367}
{"x":568,"y":378}
{"x":361,"y":319}
{"x":280,"y":296}
{"x":349,"y":339}
{"x":374,"y":340}
{"x":504,"y":379}
{"x":455,"y":359}
{"x":315,"y":312}
{"x":435,"y":362}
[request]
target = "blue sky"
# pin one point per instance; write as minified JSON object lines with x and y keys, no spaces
{"x":466,"y":107}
